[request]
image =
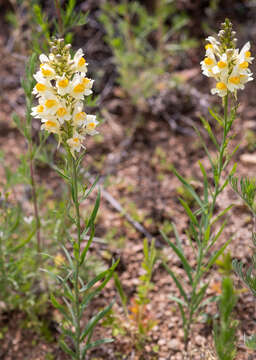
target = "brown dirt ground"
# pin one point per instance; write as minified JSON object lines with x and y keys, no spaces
{"x":136,"y":174}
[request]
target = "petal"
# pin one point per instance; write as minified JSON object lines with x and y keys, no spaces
{"x":78,"y":54}
{"x":43,"y":58}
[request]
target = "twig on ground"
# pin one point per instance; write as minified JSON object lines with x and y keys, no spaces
{"x":118,"y":207}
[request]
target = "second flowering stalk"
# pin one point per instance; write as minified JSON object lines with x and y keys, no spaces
{"x":60,"y":89}
{"x":229,"y":67}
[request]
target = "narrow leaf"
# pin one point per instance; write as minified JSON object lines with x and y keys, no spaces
{"x":188,"y":187}
{"x":67,"y":349}
{"x":189,"y":212}
{"x":217,"y":254}
{"x":177,"y":282}
{"x":94,"y":320}
{"x":181,"y":256}
{"x":95,"y":344}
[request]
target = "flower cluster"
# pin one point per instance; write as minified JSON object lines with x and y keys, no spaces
{"x":61,"y":87}
{"x":226,"y":64}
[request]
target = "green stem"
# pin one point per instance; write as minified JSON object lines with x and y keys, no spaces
{"x":77,"y":258}
{"x":192,"y":297}
{"x":201,"y":253}
{"x":222,"y":149}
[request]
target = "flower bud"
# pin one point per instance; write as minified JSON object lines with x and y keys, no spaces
{"x":54,"y":50}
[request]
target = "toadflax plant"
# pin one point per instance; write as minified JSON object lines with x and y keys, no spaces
{"x":60,"y":90}
{"x":229,"y":67}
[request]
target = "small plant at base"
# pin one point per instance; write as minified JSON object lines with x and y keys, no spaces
{"x":139,"y":313}
{"x":20,"y":288}
{"x":61,"y":87}
{"x":230,"y":69}
{"x":225,"y":264}
{"x":17,"y":265}
{"x":138,"y":321}
{"x":225,"y":331}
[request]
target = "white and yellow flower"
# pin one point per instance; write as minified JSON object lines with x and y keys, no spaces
{"x":63,"y":113}
{"x":51,"y":105}
{"x":38,"y":111}
{"x":245,"y":53}
{"x":91,"y":124}
{"x":51,"y":125}
{"x":80,"y":62}
{"x":47,"y":71}
{"x":221,"y":66}
{"x":79,"y":116}
{"x":75,"y":143}
{"x":207,"y":65}
{"x":63,"y":85}
{"x":81,"y":86}
{"x":212,"y":46}
{"x":221,"y":89}
{"x":43,"y":86}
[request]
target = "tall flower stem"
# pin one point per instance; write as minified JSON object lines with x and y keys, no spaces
{"x":201,"y":252}
{"x":221,"y":154}
{"x":77,"y":248}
